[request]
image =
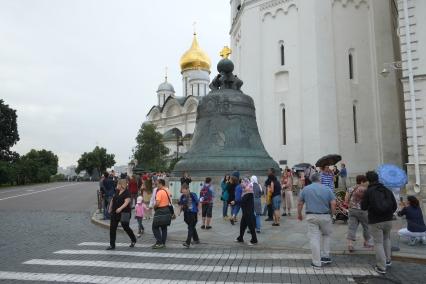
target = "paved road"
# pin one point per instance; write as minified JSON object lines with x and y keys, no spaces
{"x":46,"y":236}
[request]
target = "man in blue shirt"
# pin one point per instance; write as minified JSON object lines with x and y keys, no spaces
{"x":189,"y":205}
{"x":320,"y":203}
{"x":109,"y":191}
{"x":343,"y":175}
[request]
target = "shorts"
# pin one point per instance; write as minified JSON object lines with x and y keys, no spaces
{"x":276,"y":202}
{"x":206,"y":210}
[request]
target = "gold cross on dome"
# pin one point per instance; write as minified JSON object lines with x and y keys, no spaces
{"x":225,"y":52}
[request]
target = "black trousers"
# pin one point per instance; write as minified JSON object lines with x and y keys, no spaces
{"x":191,"y":219}
{"x":113,"y":231}
{"x":250,"y":222}
{"x":160,"y":237}
{"x":270,"y":211}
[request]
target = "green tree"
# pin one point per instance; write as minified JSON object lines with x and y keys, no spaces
{"x":98,"y":160}
{"x":35,"y":166}
{"x":8,"y":132}
{"x":150,"y":150}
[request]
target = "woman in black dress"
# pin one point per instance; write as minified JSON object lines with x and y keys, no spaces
{"x":120,"y":211}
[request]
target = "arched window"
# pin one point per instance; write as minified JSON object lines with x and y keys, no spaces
{"x":351,"y":66}
{"x":354,"y":117}
{"x":282,"y":54}
{"x":284,"y":127}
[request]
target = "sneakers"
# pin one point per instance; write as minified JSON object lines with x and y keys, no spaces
{"x":316,"y":267}
{"x":132,"y":244}
{"x":284,"y":214}
{"x":186,"y":245}
{"x":258,"y":231}
{"x":326,"y":260}
{"x":110,"y":248}
{"x":238,"y":240}
{"x":196,"y":242}
{"x":413,"y":241}
{"x":250,"y":243}
{"x":203,"y":227}
{"x":269,"y":219}
{"x":158,"y":246}
{"x":208,"y":227}
{"x":379,"y":270}
{"x":275,"y":224}
{"x":388,"y":263}
{"x":139,"y":235}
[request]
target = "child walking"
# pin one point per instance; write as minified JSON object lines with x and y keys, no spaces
{"x":140,"y":209}
{"x":189,"y":203}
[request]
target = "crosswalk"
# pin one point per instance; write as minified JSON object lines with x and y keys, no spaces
{"x":88,"y":262}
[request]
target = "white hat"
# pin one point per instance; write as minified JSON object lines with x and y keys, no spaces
{"x":139,"y":200}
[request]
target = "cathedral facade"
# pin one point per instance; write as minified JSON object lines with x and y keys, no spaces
{"x":174,"y":115}
{"x":313,"y":70}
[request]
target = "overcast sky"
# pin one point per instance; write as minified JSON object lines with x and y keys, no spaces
{"x":82,"y":73}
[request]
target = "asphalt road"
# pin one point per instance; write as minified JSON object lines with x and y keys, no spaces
{"x":65,"y":196}
{"x":46,"y":235}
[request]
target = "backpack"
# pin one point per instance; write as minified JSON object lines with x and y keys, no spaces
{"x":382,"y":202}
{"x":206,"y":195}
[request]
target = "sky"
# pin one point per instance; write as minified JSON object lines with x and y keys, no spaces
{"x":82,"y":73}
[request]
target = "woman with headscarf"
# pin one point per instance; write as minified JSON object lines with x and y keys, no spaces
{"x":247,"y":206}
{"x":257,"y":196}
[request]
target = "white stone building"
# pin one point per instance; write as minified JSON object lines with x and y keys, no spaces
{"x":174,"y":116}
{"x":313,"y":70}
{"x":416,"y":10}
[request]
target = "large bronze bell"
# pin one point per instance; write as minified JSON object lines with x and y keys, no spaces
{"x":226,"y":138}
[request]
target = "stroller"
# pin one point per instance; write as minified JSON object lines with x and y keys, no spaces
{"x":341,"y":208}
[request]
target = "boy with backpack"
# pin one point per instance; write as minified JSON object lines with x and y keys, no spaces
{"x":381,"y":204}
{"x":206,"y":199}
{"x":189,"y":205}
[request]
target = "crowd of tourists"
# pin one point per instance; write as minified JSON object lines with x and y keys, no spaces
{"x":368,"y":203}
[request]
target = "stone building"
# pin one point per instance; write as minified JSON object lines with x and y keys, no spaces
{"x":313,"y":70}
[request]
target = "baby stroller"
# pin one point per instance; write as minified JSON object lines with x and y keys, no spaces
{"x":341,"y":208}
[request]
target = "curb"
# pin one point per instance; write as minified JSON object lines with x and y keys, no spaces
{"x":395,"y":256}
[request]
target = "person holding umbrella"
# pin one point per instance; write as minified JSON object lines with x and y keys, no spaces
{"x":327,"y":176}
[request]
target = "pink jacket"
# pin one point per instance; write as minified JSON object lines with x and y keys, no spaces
{"x":140,"y":210}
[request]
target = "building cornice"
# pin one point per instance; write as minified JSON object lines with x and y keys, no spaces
{"x":357,"y":3}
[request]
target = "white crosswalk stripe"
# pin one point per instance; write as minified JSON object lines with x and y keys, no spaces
{"x":188,"y":255}
{"x":197,"y":261}
{"x":82,"y":278}
{"x":206,"y":268}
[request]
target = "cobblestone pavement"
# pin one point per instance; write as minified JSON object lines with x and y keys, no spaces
{"x":45,"y":245}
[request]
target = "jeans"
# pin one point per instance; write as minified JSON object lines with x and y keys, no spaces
{"x":356,"y":217}
{"x":113,"y":231}
{"x":236,"y":209}
{"x":248,"y":221}
{"x":225,"y":209}
{"x":107,"y":200}
{"x":382,"y":243}
{"x":160,"y":236}
{"x":141,"y":228}
{"x":258,"y":224}
{"x":319,"y":231}
{"x":190,"y":218}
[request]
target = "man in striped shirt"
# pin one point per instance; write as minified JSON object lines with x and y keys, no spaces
{"x":327,"y":177}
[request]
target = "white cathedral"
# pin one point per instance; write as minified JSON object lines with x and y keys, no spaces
{"x":313,"y":68}
{"x":175,"y":116}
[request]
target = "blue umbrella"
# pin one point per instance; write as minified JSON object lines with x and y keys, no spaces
{"x":391,"y":175}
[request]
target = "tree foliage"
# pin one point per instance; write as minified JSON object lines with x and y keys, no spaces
{"x":8,"y":132}
{"x":34,"y":167}
{"x":150,"y":150}
{"x":97,"y":160}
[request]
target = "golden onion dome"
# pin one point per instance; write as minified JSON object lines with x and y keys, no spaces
{"x":195,"y":58}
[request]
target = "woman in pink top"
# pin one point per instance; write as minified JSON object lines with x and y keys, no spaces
{"x":140,"y":209}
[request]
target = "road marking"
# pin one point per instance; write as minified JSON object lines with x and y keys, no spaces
{"x":94,"y":279}
{"x":30,"y":193}
{"x":192,"y":268}
{"x":187,"y":255}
